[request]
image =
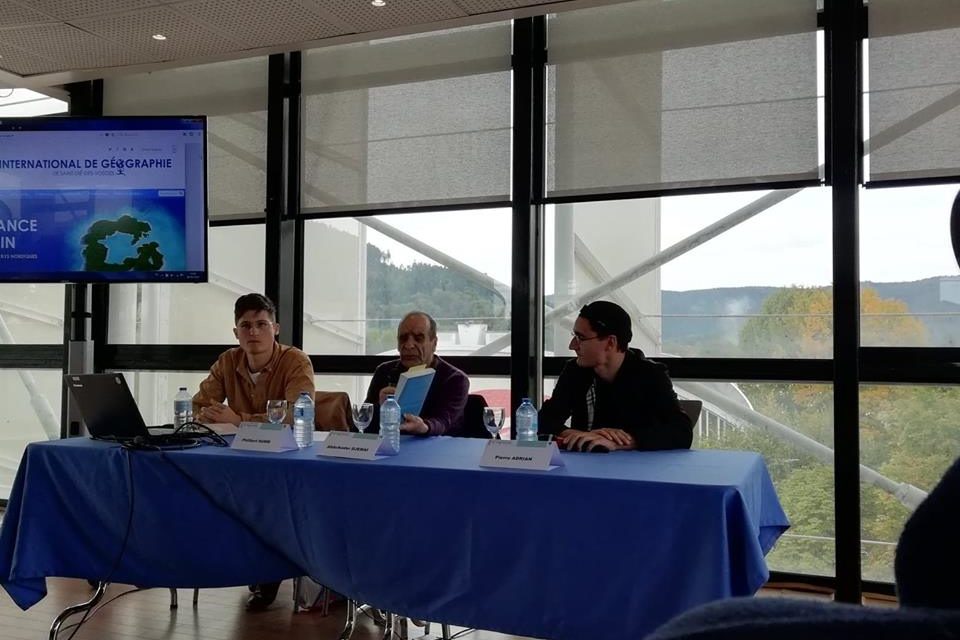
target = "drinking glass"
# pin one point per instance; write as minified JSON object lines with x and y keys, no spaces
{"x":362,"y":415}
{"x":276,"y":410}
{"x":493,"y":420}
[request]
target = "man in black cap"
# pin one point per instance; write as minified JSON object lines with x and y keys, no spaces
{"x":615,"y":397}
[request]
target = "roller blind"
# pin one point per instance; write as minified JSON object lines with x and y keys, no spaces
{"x":682,"y":93}
{"x":233,"y":96}
{"x":421,"y":119}
{"x":913,"y":89}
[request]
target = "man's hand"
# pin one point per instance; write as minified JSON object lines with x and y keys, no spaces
{"x":621,"y":438}
{"x":218,"y":412}
{"x":414,"y":424}
{"x":574,"y":440}
{"x":387,"y":391}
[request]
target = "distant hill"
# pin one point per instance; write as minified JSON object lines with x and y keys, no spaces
{"x":709,"y":318}
{"x":927,"y":296}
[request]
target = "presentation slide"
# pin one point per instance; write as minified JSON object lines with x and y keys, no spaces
{"x":116,"y":205}
{"x":134,"y":230}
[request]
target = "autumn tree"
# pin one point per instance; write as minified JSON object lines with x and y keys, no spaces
{"x":907,"y":433}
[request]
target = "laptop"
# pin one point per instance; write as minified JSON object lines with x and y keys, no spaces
{"x":108,"y":409}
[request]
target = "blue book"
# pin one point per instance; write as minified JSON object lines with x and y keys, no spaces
{"x":412,"y":390}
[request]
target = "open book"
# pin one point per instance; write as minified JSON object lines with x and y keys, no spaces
{"x":412,"y":389}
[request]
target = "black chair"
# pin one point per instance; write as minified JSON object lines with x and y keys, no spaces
{"x":473,"y":426}
{"x":692,"y":408}
{"x":926,"y":568}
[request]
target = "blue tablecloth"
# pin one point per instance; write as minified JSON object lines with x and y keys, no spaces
{"x":609,"y":546}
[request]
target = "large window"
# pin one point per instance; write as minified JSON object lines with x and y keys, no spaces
{"x":363,"y":274}
{"x":913,"y":101}
{"x":193,"y":313}
{"x":416,"y":120}
{"x":653,"y":95}
{"x":30,"y":314}
{"x":154,"y":391}
{"x":31,"y":413}
{"x":791,"y":424}
{"x":24,"y":102}
{"x":909,"y":436}
{"x":233,"y":96}
{"x":739,"y":274}
{"x":910,"y":291}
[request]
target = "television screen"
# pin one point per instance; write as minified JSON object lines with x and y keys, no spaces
{"x":107,"y":199}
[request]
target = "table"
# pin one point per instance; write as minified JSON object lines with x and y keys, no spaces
{"x":609,"y":546}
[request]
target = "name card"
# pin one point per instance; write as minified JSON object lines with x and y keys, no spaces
{"x":516,"y":454}
{"x":344,"y":444}
{"x":264,"y":436}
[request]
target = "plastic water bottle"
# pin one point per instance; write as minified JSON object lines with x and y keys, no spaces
{"x":182,"y":408}
{"x":303,"y":420}
{"x":390,"y":426}
{"x":526,"y":421}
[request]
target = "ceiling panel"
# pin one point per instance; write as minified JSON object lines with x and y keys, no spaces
{"x":133,"y":32}
{"x":364,"y":17}
{"x":20,"y":62}
{"x":65,"y":40}
{"x":67,"y":10}
{"x":15,"y":15}
{"x":476,"y":7}
{"x":256,"y":23}
{"x":69,"y":47}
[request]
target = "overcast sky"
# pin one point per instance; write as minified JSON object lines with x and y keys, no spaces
{"x":904,"y":235}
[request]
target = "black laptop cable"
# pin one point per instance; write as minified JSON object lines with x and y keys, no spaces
{"x":200,"y":431}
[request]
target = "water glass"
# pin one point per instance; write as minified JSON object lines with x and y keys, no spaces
{"x":362,"y":415}
{"x":276,"y":410}
{"x":493,"y":420}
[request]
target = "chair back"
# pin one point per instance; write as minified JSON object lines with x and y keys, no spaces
{"x":473,"y":418}
{"x":692,"y":409}
{"x":927,"y":563}
{"x":332,"y":411}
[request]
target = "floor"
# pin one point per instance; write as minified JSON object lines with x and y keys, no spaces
{"x":220,"y":615}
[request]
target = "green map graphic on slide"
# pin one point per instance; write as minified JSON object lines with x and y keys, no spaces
{"x":94,"y":252}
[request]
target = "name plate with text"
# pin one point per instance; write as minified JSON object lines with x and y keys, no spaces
{"x":264,"y":436}
{"x":516,"y":454}
{"x":357,"y":446}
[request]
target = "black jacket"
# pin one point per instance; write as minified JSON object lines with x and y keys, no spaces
{"x":640,"y":400}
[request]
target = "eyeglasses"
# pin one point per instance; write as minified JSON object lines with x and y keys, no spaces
{"x":579,"y":338}
{"x":259,"y":325}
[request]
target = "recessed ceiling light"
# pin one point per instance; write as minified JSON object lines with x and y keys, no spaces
{"x":158,"y":36}
{"x":378,"y":3}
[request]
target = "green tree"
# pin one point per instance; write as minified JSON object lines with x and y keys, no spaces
{"x":451,"y":298}
{"x":906,"y":432}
